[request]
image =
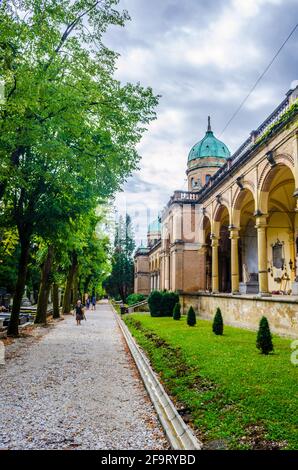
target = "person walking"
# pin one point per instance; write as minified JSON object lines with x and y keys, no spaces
{"x":79,"y":312}
{"x":93,"y":300}
{"x":88,"y":302}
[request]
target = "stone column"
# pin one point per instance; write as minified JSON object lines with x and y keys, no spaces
{"x":214,"y":244}
{"x":234,"y":237}
{"x":161,"y":271}
{"x":167,"y":271}
{"x":158,"y":281}
{"x":151,"y":283}
{"x":202,"y":267}
{"x":261,"y":226}
{"x":292,"y":255}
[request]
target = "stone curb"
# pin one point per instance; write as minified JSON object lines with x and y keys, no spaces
{"x":178,"y":433}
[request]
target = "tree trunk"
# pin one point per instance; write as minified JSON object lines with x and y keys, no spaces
{"x":44,"y":288}
{"x":56,"y":310}
{"x":87,"y":283}
{"x":80,"y":294}
{"x":75,"y":288}
{"x":13,"y":327}
{"x":66,"y":308}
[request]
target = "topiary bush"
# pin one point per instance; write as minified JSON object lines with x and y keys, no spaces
{"x":135,"y":298}
{"x":264,"y":337}
{"x":169,"y":300}
{"x":177,"y":311}
{"x":154,"y":302}
{"x":217,"y":326}
{"x":191,"y":317}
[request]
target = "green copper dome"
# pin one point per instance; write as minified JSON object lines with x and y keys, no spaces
{"x":209,"y":146}
{"x":155,"y":226}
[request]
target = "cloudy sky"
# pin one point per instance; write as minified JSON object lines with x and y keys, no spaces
{"x":202,"y":57}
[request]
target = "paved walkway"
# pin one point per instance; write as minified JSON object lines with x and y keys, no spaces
{"x":77,"y":388}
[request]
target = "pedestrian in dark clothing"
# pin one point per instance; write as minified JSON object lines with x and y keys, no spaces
{"x":93,"y":300}
{"x":79,"y":312}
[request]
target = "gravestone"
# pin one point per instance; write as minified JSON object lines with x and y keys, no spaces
{"x":25,"y":301}
{"x":251,"y":286}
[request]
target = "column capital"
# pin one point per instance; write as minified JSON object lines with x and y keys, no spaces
{"x":234,"y":232}
{"x":261,"y":220}
{"x":214,"y":241}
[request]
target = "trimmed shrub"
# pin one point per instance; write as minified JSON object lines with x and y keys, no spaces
{"x":177,"y":311}
{"x":191,"y":317}
{"x":264,"y":337}
{"x":135,"y":298}
{"x":217,"y":326}
{"x":154,"y":302}
{"x":169,"y":300}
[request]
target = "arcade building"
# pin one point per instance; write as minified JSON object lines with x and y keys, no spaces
{"x":231,"y":240}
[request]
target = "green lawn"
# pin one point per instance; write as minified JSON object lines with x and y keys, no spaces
{"x":234,"y":396}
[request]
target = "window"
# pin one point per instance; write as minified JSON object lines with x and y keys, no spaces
{"x":207,"y":178}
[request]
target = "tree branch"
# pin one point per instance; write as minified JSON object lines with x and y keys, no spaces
{"x":68,"y":31}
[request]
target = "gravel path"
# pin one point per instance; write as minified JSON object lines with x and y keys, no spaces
{"x":77,"y":387}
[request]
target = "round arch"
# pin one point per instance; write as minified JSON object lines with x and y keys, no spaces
{"x":277,"y":202}
{"x":244,"y":200}
{"x":221,"y":213}
{"x":281,"y":173}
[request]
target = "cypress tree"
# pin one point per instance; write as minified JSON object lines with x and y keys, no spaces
{"x":177,"y":311}
{"x":217,"y":326}
{"x":191,"y":317}
{"x":264,"y":337}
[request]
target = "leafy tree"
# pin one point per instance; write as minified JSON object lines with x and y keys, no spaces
{"x":68,"y":130}
{"x":191,"y":317}
{"x":217,"y":326}
{"x":45,"y":286}
{"x":121,"y":281}
{"x":177,"y":311}
{"x":94,"y":264}
{"x":264,"y":337}
{"x":9,"y":253}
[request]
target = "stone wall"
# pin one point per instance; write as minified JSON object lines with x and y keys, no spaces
{"x":246,"y":311}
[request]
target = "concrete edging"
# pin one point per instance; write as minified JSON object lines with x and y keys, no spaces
{"x":178,"y":433}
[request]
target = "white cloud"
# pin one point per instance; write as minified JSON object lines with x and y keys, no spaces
{"x":203,"y":57}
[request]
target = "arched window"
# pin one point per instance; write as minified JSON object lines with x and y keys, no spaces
{"x":207,"y":178}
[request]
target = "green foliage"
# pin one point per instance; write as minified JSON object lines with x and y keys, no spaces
{"x":264,"y":337}
{"x":177,"y":311}
{"x":135,"y":298}
{"x":191,"y":317}
{"x":169,"y":300}
{"x":68,"y":129}
{"x":234,"y":395}
{"x":217,"y":326}
{"x":155,"y":303}
{"x":285,"y":118}
{"x":121,"y":280}
{"x":161,"y":304}
{"x":93,"y":257}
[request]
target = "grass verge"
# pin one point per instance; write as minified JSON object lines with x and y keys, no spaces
{"x":233,"y":396}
